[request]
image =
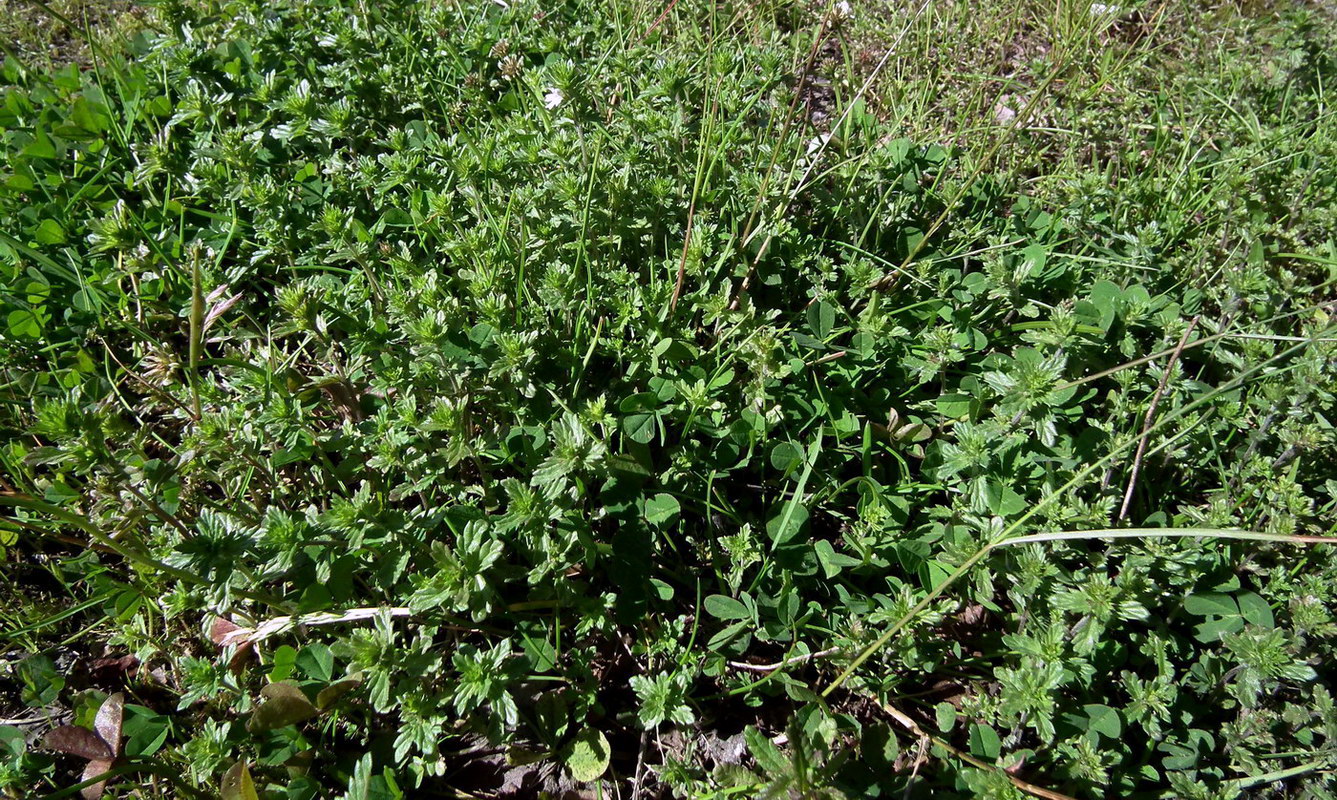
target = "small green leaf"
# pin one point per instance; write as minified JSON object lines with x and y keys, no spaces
{"x":786,"y":524}
{"x":285,"y":658}
{"x":945,"y":715}
{"x":1211,"y":604}
{"x":984,"y":741}
{"x":955,"y":406}
{"x":661,"y":508}
{"x":40,"y":147}
{"x":317,"y":662}
{"x":1033,"y":258}
{"x":639,"y":427}
{"x":821,"y":319}
{"x":723,"y":607}
{"x":628,"y":465}
{"x":23,"y":322}
{"x":727,"y":635}
{"x":588,"y":757}
{"x":49,"y":232}
{"x":785,"y":456}
{"x":1103,"y":720}
{"x":831,"y":561}
{"x":1214,"y":629}
{"x":1256,"y":610}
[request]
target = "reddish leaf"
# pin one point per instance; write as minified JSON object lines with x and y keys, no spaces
{"x":218,"y":633}
{"x":108,"y":722}
{"x":94,"y":769}
{"x":77,"y":742}
{"x":220,"y":629}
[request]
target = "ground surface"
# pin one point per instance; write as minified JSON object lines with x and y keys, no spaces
{"x":683,"y":399}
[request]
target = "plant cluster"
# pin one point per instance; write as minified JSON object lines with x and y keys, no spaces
{"x":414,"y":399}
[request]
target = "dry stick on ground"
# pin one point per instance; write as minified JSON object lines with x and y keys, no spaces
{"x":1151,"y":414}
{"x":658,"y":20}
{"x":1029,"y":788}
{"x":640,"y":764}
{"x":786,"y":663}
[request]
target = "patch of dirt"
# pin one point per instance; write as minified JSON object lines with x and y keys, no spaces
{"x":43,"y":40}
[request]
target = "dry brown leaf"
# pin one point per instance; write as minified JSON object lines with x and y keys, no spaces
{"x":77,"y":742}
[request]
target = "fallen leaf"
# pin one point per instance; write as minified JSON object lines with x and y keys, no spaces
{"x":93,"y":769}
{"x":77,"y":742}
{"x":107,"y":724}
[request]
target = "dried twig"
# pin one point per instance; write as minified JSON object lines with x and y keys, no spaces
{"x":277,"y":625}
{"x":786,"y":663}
{"x":640,"y":764}
{"x":1151,"y":413}
{"x":913,"y":727}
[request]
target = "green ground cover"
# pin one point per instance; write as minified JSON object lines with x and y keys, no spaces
{"x":688,"y":399}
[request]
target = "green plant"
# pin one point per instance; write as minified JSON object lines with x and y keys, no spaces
{"x":426,"y":398}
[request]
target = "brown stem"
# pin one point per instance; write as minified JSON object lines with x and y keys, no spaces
{"x":1151,"y":413}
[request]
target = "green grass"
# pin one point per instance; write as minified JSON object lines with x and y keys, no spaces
{"x":678,"y":399}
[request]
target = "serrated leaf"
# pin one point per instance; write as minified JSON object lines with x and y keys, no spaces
{"x":237,"y":783}
{"x":765,"y":753}
{"x":284,"y":705}
{"x":588,"y":757}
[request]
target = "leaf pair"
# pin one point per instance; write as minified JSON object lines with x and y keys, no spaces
{"x":101,"y":746}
